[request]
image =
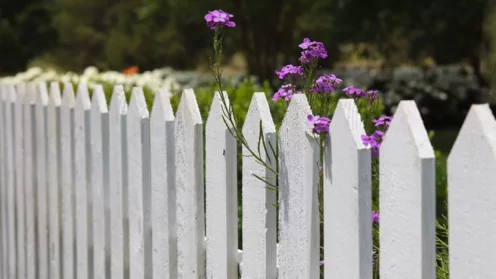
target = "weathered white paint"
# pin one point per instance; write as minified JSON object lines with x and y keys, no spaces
{"x":67,"y":181}
{"x":138,"y":141}
{"x":190,"y":189}
{"x":19,"y":176}
{"x":259,"y":210}
{"x":118,"y":112}
{"x":471,"y":199}
{"x":347,"y":197}
{"x":81,"y":176}
{"x":298,"y":203}
{"x":407,"y":198}
{"x":41,"y":176}
{"x":163,"y":183}
{"x":54,"y":166}
{"x":221,"y":194}
{"x":99,"y":178}
{"x":29,"y":178}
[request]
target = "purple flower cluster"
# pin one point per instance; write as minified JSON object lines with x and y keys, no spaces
{"x":383,"y":121}
{"x":285,"y":92}
{"x":312,"y":51}
{"x":289,"y":71}
{"x":374,"y":141}
{"x":218,"y":19}
{"x":352,"y":91}
{"x":319,"y":124}
{"x":375,"y":217}
{"x":326,"y":83}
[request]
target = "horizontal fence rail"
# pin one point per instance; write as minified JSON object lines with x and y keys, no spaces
{"x":90,"y":189}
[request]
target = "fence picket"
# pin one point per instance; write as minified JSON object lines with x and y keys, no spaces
{"x":471,"y":199}
{"x":99,"y":179}
{"x":259,"y":210}
{"x":82,"y":176}
{"x":163,"y":186}
{"x":3,"y":181}
{"x":9,"y":98}
{"x":298,"y":206}
{"x":53,"y":152}
{"x":41,"y":176}
{"x":67,"y":182}
{"x":138,"y":138}
{"x":29,"y":175}
{"x":221,"y":194}
{"x":190,"y":191}
{"x":347,"y":197}
{"x":20,"y":192}
{"x":117,"y":122}
{"x":407,"y":198}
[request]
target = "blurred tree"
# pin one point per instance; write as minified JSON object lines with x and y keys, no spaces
{"x":25,"y":31}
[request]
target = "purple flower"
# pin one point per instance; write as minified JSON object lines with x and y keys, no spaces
{"x":290,"y":70}
{"x":375,"y":217}
{"x":312,"y":51}
{"x":321,"y":262}
{"x":218,"y":19}
{"x":353,"y":91}
{"x":372,"y":95}
{"x":383,"y":121}
{"x":285,"y":92}
{"x":325,"y":84}
{"x":374,"y":141}
{"x":319,"y":124}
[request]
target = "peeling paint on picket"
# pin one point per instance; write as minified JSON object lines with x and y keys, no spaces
{"x":347,"y":197}
{"x":407,"y":198}
{"x":472,"y":197}
{"x":189,"y":186}
{"x":259,"y":199}
{"x":298,"y":203}
{"x":163,"y":187}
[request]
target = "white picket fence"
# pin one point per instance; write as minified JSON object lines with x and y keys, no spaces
{"x":89,"y":191}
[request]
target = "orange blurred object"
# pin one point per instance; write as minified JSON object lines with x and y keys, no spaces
{"x":131,"y":71}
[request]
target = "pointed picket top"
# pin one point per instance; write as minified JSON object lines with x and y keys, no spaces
{"x":83,"y":101}
{"x":118,"y":101}
{"x":347,"y":118}
{"x":258,"y":111}
{"x":259,"y":250}
{"x":12,"y":93}
{"x":298,"y":203}
{"x":162,"y":108}
{"x":408,"y":122}
{"x":98,"y":102}
{"x":42,"y":95}
{"x":68,"y":98}
{"x":407,"y":197}
{"x":55,"y":98}
{"x":348,"y":196}
{"x":30,"y":96}
{"x":472,"y":196}
{"x":137,"y":104}
{"x":217,"y":112}
{"x":188,"y":110}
